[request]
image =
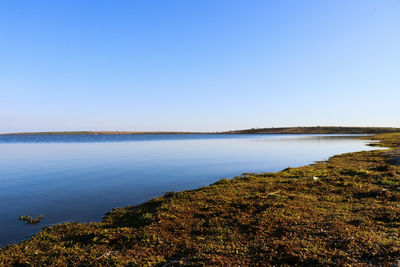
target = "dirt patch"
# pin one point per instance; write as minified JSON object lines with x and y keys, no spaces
{"x":395,"y":157}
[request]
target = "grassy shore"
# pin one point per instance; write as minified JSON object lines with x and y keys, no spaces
{"x":342,"y":211}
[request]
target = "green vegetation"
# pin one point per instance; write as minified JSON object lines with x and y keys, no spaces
{"x":349,"y":214}
{"x":318,"y":130}
{"x":30,"y":220}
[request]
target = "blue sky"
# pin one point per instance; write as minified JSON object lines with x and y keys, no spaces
{"x":198,"y":65}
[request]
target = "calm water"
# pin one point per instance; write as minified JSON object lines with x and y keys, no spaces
{"x":81,"y":177}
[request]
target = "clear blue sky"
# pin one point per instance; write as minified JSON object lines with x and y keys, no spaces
{"x":198,"y":65}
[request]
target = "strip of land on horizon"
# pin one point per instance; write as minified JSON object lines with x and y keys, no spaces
{"x":278,"y":130}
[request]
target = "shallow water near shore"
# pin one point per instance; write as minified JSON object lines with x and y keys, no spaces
{"x":81,"y":177}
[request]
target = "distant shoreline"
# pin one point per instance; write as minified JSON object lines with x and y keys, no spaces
{"x":101,"y":133}
{"x":279,"y":130}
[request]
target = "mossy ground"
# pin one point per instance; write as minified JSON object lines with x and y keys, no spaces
{"x":349,"y":215}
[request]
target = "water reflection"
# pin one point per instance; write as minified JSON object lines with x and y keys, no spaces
{"x":79,"y":178}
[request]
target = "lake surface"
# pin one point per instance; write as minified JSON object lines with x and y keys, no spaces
{"x":81,"y":177}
